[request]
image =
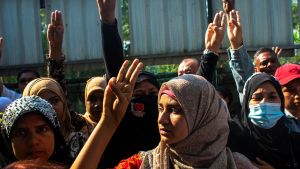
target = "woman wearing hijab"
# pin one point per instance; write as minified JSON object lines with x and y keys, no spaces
{"x":193,"y":128}
{"x":51,"y":91}
{"x":41,"y":140}
{"x":138,"y":129}
{"x":275,"y":138}
{"x":93,"y":97}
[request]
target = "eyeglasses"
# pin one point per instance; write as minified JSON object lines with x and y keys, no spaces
{"x":25,"y":80}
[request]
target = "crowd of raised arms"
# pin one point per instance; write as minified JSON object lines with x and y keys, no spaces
{"x":131,"y":121}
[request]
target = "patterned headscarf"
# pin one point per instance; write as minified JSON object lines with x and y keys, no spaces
{"x":37,"y":86}
{"x":207,"y":118}
{"x":25,"y":105}
{"x":29,"y":104}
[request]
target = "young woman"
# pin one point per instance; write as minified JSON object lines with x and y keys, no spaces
{"x":51,"y":91}
{"x":93,"y":97}
{"x":270,"y":136}
{"x":193,"y":128}
{"x":32,"y":130}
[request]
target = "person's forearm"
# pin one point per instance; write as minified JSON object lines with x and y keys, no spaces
{"x":208,"y":65}
{"x":93,"y":149}
{"x":241,"y":67}
{"x":55,"y":70}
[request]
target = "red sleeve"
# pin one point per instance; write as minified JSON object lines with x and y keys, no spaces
{"x":133,"y":162}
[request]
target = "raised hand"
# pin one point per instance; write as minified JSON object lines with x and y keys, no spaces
{"x":106,"y":9}
{"x":119,"y":91}
{"x":277,"y":50}
{"x":1,"y":46}
{"x":117,"y":96}
{"x":55,"y":35}
{"x":215,"y":33}
{"x":234,"y":30}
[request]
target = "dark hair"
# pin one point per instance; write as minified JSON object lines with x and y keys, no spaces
{"x":225,"y":92}
{"x":144,"y":75}
{"x":262,"y":50}
{"x":27,"y":71}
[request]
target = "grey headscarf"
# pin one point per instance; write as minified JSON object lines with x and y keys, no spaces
{"x":25,"y":105}
{"x":207,"y":118}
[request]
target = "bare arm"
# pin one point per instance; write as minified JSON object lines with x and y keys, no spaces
{"x":56,"y":58}
{"x":215,"y":33}
{"x":117,"y":96}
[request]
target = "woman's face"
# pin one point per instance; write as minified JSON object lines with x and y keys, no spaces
{"x":32,"y":138}
{"x":266,"y":92}
{"x":145,"y":88}
{"x":172,"y":123}
{"x":94,"y":104}
{"x":55,"y":101}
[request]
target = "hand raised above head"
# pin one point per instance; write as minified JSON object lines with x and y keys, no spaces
{"x":215,"y":32}
{"x":119,"y":91}
{"x":106,"y":9}
{"x":55,"y":34}
{"x":234,"y":30}
{"x":277,"y":50}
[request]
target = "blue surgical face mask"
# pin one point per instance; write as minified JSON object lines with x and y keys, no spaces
{"x":265,"y":115}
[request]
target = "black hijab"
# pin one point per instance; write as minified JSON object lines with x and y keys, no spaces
{"x":250,"y":87}
{"x":274,"y":145}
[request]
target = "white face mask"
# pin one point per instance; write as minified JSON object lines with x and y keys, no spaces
{"x":265,"y":115}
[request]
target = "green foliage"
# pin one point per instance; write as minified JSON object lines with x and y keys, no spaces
{"x":125,"y":20}
{"x":163,"y":72}
{"x":296,"y":35}
{"x":44,"y":30}
{"x":295,"y":22}
{"x":294,"y":59}
{"x":295,"y":12}
{"x":125,"y":27}
{"x":1,"y":115}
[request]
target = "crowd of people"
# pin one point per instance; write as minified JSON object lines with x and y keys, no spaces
{"x":131,"y":121}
